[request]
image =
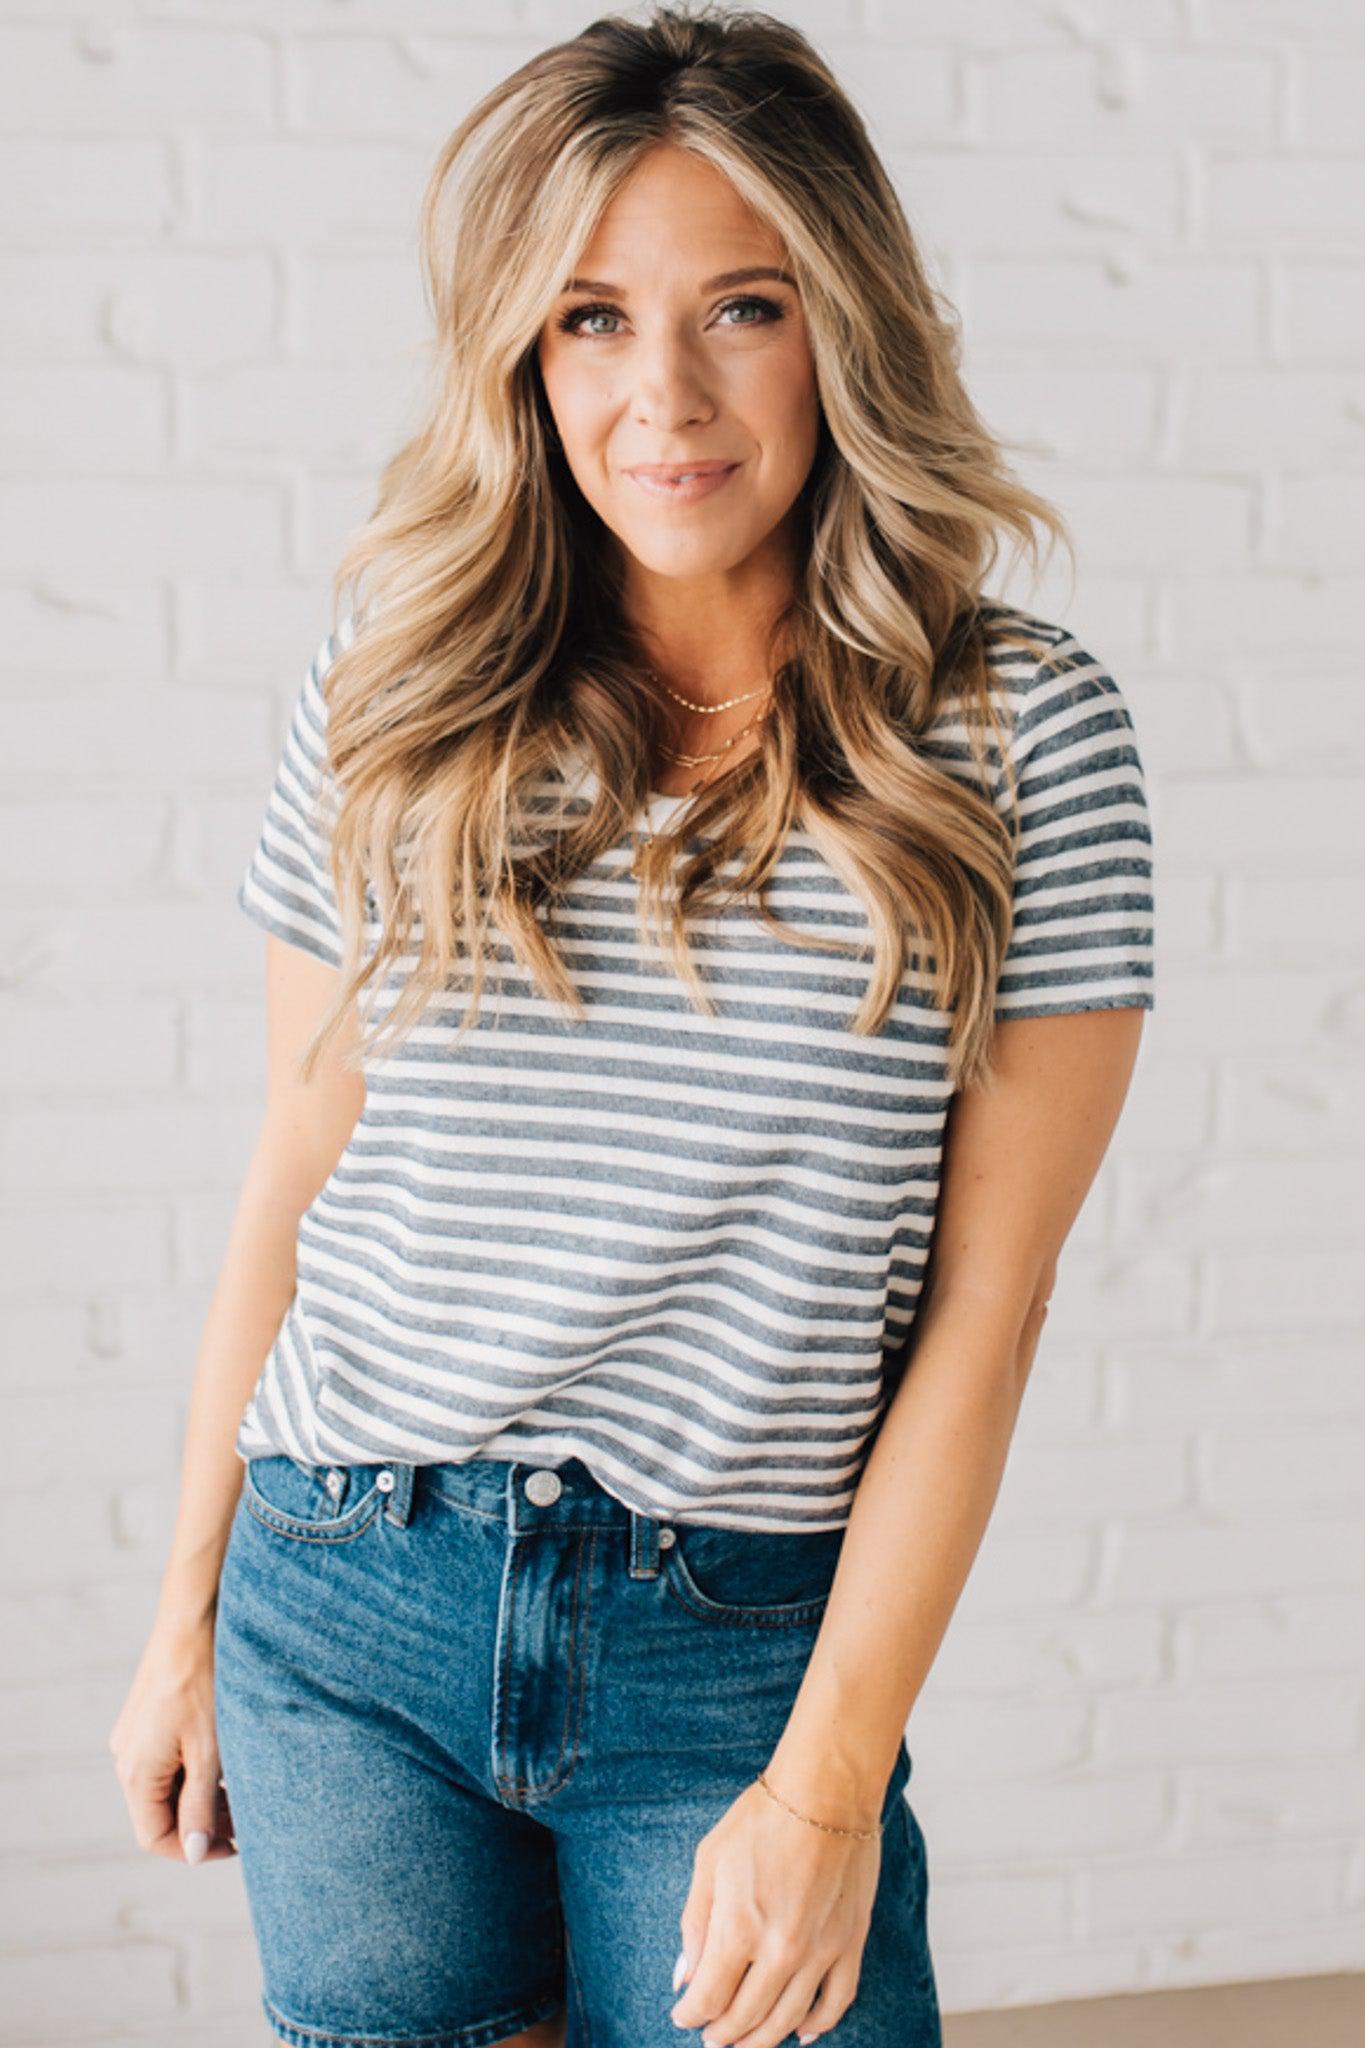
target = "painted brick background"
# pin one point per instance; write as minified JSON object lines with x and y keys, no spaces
{"x":1140,"y":1759}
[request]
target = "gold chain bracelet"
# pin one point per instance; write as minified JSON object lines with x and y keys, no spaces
{"x":858,"y":1834}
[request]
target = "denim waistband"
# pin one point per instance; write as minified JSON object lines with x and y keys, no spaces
{"x":517,"y":1494}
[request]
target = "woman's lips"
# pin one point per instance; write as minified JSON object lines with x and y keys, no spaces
{"x":700,"y":483}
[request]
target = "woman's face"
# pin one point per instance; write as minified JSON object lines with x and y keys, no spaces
{"x":666,"y":361}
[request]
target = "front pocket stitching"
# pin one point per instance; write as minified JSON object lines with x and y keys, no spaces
{"x":337,"y":1529}
{"x":679,"y":1582}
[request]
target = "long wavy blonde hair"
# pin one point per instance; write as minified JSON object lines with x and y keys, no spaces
{"x":491,"y":644}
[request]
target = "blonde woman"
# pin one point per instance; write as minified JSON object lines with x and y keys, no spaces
{"x":708,"y":946}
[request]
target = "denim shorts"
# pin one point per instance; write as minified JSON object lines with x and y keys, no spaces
{"x":473,"y":1720}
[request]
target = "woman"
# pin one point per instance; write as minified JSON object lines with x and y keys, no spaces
{"x":642,"y":1347}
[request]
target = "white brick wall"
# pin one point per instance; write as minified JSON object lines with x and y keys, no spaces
{"x":1140,"y":1759}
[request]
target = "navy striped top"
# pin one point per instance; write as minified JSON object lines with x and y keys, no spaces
{"x":684,"y":1249}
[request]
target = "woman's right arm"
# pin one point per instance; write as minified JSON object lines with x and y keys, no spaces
{"x":167,"y":1722}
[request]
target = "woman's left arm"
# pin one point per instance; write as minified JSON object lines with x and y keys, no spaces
{"x":1019,"y":1159}
{"x":1020,"y":1155}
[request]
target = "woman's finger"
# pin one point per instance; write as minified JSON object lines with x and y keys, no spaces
{"x":222,"y":1835}
{"x":788,"y":2014}
{"x":778,"y":1987}
{"x":224,"y":1829}
{"x":150,"y":1799}
{"x":717,"y":1978}
{"x":196,"y":1810}
{"x":694,"y":1921}
{"x":832,"y":1999}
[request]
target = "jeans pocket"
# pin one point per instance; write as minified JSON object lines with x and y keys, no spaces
{"x":762,"y":1578}
{"x":313,"y":1503}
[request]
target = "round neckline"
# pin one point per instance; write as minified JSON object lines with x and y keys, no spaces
{"x":658,"y":805}
{"x":661,"y":803}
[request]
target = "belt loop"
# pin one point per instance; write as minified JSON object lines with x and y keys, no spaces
{"x":397,"y":1480}
{"x":644,"y":1546}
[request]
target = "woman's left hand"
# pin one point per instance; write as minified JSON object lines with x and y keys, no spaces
{"x":774,"y":1925}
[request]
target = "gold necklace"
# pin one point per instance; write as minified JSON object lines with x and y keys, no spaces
{"x":695,"y":760}
{"x":707,"y":709}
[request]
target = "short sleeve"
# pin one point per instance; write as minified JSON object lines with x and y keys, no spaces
{"x":287,"y":884}
{"x":1083,"y":936}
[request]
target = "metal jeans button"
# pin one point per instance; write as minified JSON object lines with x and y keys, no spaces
{"x":385,"y":1482}
{"x":544,"y":1487}
{"x":666,"y":1539}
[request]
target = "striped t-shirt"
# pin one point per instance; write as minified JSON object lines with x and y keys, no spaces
{"x":684,"y":1249}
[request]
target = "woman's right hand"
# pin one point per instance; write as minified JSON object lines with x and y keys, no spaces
{"x":165,"y":1743}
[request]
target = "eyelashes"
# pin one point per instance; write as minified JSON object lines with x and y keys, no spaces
{"x":568,"y":323}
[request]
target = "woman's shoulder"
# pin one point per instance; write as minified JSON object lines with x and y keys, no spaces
{"x":1022,"y":648}
{"x":1032,"y":656}
{"x":1040,"y":670}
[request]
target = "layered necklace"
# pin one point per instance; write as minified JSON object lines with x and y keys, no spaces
{"x":706,"y":711}
{"x":711,"y":711}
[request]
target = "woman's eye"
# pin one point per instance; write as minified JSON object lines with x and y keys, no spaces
{"x":572,"y":321}
{"x":768,"y":307}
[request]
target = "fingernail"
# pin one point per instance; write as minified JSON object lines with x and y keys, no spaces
{"x":196,"y":1846}
{"x":680,"y":1968}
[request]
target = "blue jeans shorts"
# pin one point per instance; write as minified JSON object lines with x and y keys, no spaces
{"x":473,"y":1720}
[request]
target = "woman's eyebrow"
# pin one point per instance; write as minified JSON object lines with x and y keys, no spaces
{"x":726,"y":278}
